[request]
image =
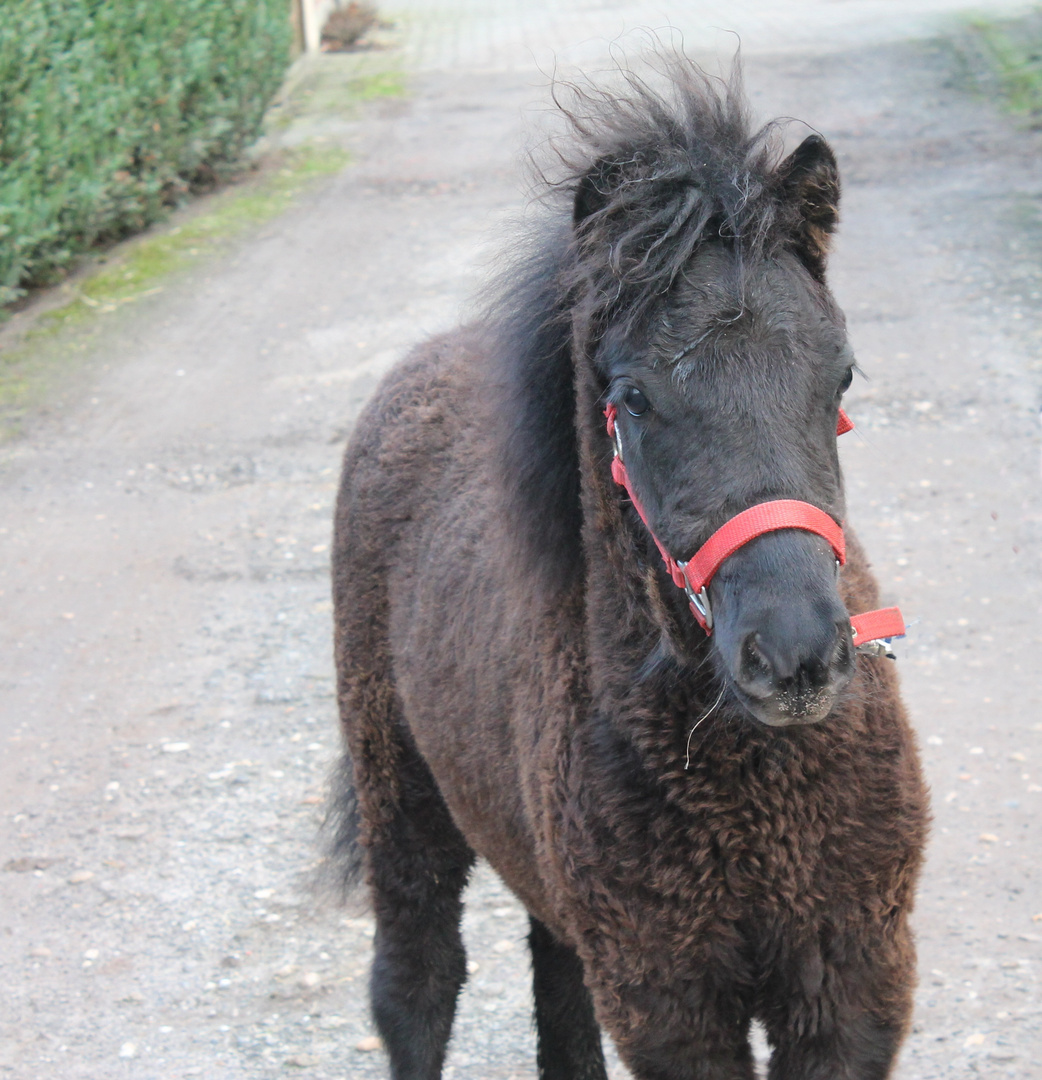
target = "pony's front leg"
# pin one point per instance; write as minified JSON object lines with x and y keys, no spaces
{"x":842,"y":1022}
{"x":689,"y":1033}
{"x":723,"y":1055}
{"x":569,"y":1038}
{"x":861,"y":1049}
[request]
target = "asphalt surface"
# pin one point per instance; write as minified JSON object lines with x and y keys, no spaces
{"x":166,"y":705}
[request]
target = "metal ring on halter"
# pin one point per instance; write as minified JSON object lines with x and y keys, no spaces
{"x":699,"y":600}
{"x":878,"y":647}
{"x":617,"y":440}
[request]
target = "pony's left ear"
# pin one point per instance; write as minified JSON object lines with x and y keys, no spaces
{"x":810,"y":184}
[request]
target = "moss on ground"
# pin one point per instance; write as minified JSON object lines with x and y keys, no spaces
{"x":335,"y":85}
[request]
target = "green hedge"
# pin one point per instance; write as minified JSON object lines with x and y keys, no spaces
{"x":112,"y":109}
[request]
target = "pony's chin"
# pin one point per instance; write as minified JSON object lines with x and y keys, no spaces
{"x":777,"y":712}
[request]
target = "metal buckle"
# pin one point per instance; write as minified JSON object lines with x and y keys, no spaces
{"x":878,"y":647}
{"x":616,"y":438}
{"x":699,"y":600}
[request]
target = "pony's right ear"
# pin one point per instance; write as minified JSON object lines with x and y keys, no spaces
{"x":810,"y":179}
{"x":594,"y":189}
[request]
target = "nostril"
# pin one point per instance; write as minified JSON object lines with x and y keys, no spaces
{"x":755,"y":671}
{"x":775,"y":663}
{"x":809,"y":677}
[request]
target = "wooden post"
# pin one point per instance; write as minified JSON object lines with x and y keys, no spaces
{"x":313,"y":15}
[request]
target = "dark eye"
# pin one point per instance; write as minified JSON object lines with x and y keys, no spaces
{"x":635,"y":401}
{"x":844,"y":385}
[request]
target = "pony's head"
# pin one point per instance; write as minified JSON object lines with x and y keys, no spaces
{"x":704,"y":318}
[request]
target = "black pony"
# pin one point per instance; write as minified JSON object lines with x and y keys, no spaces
{"x":709,"y":803}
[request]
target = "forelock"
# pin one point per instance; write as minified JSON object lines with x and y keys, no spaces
{"x":664,"y":172}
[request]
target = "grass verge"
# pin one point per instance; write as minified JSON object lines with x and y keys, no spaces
{"x":1004,"y":60}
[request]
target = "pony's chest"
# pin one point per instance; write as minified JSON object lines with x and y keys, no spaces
{"x":733,"y":843}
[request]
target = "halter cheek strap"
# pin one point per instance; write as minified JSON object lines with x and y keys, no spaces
{"x":871,"y":629}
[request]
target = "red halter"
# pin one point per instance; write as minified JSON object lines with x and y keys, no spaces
{"x":694,"y":576}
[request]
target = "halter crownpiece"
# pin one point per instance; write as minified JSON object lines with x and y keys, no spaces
{"x":872,"y":629}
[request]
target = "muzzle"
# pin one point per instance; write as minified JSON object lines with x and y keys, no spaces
{"x":873,"y":630}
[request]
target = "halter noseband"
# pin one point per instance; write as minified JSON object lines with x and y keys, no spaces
{"x":872,"y":629}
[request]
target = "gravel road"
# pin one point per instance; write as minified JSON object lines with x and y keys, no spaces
{"x":166,"y":696}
